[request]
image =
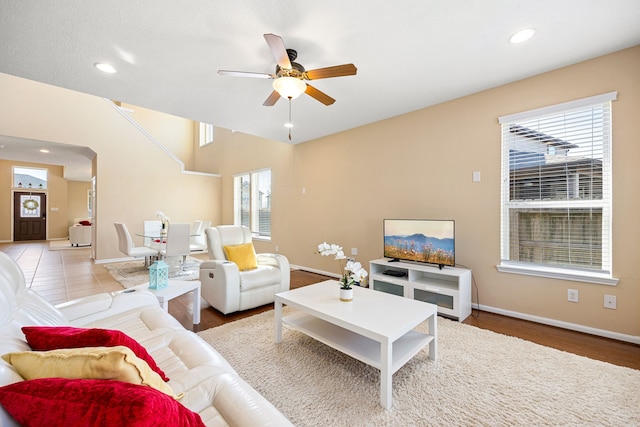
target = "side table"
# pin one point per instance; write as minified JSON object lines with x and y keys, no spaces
{"x":175,"y":289}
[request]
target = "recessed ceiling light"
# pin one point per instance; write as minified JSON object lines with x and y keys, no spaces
{"x":44,"y":150}
{"x":105,"y":68}
{"x":288,"y":125}
{"x":522,"y":35}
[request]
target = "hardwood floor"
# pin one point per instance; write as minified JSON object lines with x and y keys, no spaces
{"x":67,"y":274}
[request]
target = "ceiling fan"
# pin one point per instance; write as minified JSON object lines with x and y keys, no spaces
{"x":289,"y":78}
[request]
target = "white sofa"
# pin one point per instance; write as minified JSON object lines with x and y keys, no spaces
{"x":79,"y":234}
{"x":210,"y":385}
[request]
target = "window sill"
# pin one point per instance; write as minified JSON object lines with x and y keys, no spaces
{"x":557,"y":273}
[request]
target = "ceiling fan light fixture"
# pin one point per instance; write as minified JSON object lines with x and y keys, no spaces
{"x":289,"y":87}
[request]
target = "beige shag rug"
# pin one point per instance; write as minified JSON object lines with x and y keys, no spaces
{"x":481,"y":378}
{"x":133,"y":273}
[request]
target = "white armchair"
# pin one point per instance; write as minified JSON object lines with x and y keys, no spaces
{"x":228,"y":288}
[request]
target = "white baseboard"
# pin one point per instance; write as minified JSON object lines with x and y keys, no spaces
{"x":560,"y":324}
{"x":313,"y":270}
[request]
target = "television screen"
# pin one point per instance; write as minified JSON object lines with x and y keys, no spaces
{"x":420,"y":240}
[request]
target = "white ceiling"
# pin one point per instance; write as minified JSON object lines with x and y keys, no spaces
{"x":410,"y":54}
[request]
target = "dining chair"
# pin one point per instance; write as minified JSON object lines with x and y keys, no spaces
{"x":127,"y":247}
{"x":197,"y":242}
{"x":177,"y":242}
{"x":150,"y":229}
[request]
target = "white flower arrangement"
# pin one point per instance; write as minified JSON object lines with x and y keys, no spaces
{"x":163,"y":218}
{"x":350,"y":270}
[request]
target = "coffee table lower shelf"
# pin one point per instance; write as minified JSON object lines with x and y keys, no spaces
{"x":359,"y":347}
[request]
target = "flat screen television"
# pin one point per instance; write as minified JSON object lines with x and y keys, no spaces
{"x":420,"y":240}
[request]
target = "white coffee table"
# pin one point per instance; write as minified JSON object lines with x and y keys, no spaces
{"x":375,"y":328}
{"x":175,"y":289}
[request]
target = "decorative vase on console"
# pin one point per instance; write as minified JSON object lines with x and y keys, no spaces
{"x":351,"y":271}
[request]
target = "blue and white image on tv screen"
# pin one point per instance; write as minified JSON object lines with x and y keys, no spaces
{"x":430,"y":241}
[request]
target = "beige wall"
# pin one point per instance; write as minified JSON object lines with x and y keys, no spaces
{"x":135,"y":178}
{"x":339,"y":188}
{"x":235,"y":152}
{"x":77,"y":203}
{"x":175,"y":133}
{"x":420,"y":165}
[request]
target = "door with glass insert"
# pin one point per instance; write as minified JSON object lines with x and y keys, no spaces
{"x":29,"y":216}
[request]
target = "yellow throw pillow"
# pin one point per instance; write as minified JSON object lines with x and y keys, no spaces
{"x":107,"y":363}
{"x":243,"y":255}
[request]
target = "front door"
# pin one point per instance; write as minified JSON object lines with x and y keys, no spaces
{"x":29,"y":216}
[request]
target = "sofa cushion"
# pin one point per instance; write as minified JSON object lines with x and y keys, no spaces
{"x":43,"y":338}
{"x":108,"y":363}
{"x":64,"y":402}
{"x":243,"y":255}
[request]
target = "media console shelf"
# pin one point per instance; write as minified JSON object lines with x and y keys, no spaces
{"x":449,"y":288}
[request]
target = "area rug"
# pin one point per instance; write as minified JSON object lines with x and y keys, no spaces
{"x":133,"y":273}
{"x":481,"y":378}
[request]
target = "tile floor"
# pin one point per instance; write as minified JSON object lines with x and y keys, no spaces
{"x":60,"y":275}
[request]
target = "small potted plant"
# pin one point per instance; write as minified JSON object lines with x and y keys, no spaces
{"x":351,"y":271}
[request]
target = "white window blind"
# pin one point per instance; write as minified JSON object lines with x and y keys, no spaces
{"x":252,"y":201}
{"x":556,"y":189}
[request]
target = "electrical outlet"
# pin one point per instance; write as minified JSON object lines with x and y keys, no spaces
{"x":354,"y":251}
{"x":276,"y":248}
{"x":610,"y":301}
{"x":572,"y":295}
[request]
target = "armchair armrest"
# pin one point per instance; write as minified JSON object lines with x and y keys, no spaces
{"x":279,"y":261}
{"x":221,"y":285}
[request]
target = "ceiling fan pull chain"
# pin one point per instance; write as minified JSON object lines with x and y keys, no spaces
{"x":290,"y":122}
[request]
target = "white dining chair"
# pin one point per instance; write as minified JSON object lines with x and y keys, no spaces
{"x":197,"y":241}
{"x":177,"y":242}
{"x":127,"y":247}
{"x":150,"y":229}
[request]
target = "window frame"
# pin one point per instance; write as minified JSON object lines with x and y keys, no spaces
{"x":205,"y":134}
{"x":603,"y":276}
{"x":254,"y":205}
{"x":24,"y":169}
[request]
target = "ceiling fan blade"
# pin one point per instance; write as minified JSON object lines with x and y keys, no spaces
{"x":245,"y":74}
{"x":318,"y":95}
{"x":271,"y":99}
{"x":278,"y":50}
{"x":335,"y":71}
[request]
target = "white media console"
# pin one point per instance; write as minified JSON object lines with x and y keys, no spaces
{"x":449,"y":288}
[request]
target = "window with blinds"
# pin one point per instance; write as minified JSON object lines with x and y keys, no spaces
{"x":252,"y":201}
{"x":556,"y":190}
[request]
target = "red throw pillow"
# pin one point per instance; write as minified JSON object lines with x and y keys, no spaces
{"x":85,"y":223}
{"x":45,"y":338}
{"x":64,"y":402}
